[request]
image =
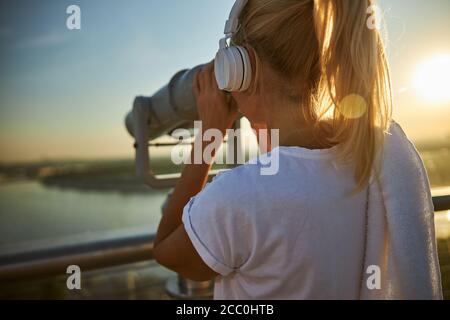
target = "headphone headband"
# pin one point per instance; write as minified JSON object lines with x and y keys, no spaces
{"x":232,"y":24}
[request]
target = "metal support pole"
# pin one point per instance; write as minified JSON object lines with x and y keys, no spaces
{"x":182,"y":288}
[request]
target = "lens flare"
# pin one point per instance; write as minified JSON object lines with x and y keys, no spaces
{"x":353,"y":106}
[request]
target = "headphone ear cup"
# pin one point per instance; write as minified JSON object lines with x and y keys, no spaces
{"x":247,"y":69}
{"x":222,"y":69}
{"x":233,"y":69}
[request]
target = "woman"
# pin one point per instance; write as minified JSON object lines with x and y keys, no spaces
{"x":322,"y":80}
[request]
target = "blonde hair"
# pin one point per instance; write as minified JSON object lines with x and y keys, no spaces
{"x":338,"y":63}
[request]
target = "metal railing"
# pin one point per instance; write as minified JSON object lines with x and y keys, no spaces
{"x":88,"y":256}
{"x":99,"y":254}
{"x":441,"y":203}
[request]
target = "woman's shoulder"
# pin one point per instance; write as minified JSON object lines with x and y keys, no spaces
{"x":235,"y":181}
{"x":227,"y":194}
{"x":236,"y":185}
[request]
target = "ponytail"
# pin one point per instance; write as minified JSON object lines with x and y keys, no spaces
{"x":355,"y":81}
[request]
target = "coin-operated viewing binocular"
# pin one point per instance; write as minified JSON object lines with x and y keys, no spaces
{"x":173,"y":106}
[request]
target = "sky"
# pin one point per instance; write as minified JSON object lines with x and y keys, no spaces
{"x":64,"y":93}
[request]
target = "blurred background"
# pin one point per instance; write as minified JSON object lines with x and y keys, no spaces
{"x":66,"y":160}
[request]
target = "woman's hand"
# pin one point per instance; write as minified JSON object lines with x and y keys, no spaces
{"x":216,"y":109}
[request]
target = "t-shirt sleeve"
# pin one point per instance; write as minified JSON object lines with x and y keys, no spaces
{"x":217,"y":229}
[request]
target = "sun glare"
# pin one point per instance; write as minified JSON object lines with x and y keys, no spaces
{"x":432,"y":79}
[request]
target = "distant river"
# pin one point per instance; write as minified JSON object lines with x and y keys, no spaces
{"x":33,"y":215}
{"x":31,"y":212}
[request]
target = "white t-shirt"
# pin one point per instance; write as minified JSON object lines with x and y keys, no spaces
{"x":293,"y":235}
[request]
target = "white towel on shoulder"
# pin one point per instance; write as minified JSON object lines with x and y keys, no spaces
{"x":400,"y":226}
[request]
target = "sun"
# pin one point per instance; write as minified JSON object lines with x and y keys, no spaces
{"x":432,"y":79}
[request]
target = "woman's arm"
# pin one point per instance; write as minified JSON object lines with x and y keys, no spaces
{"x":173,"y":247}
{"x":191,"y":182}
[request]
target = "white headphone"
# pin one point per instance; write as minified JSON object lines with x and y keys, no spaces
{"x":232,"y":65}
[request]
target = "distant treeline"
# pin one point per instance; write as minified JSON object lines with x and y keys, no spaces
{"x":119,"y":175}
